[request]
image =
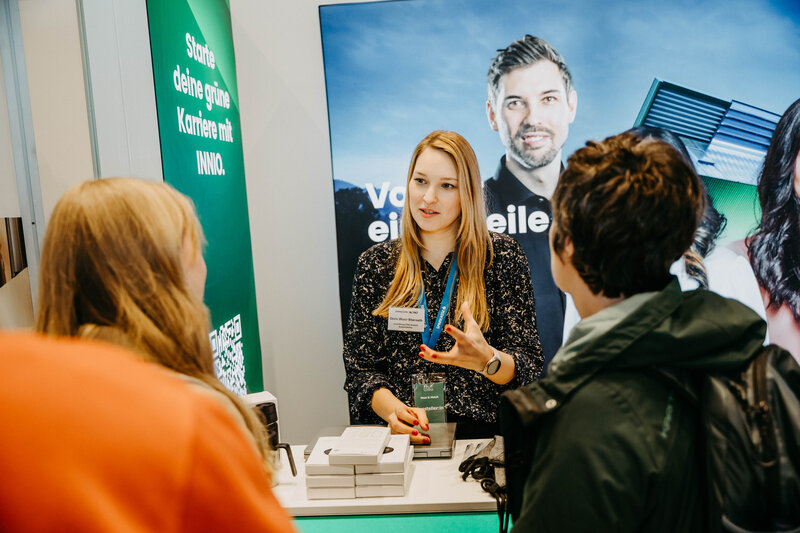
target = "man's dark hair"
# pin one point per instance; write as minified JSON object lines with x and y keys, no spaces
{"x":630,"y":207}
{"x":522,"y":53}
{"x":774,"y":249}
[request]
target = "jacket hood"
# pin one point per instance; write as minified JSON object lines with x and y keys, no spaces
{"x":697,"y":330}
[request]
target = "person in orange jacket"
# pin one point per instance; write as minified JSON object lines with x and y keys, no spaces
{"x":95,"y":439}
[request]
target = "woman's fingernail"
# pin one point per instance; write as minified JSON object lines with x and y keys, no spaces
{"x":422,"y":355}
{"x":434,"y":356}
{"x":422,"y":347}
{"x":426,"y":427}
{"x":416,"y":422}
{"x":414,"y":432}
{"x":426,"y":440}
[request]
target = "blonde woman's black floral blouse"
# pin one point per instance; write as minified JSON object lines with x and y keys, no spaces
{"x":375,"y":357}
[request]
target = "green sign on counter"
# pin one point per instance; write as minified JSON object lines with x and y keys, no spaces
{"x":201,"y":150}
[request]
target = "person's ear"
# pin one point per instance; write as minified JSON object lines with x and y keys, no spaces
{"x":797,"y":175}
{"x":572,"y":103}
{"x":490,"y":114}
{"x":567,"y":250}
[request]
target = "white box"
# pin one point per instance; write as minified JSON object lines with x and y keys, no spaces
{"x":360,"y":445}
{"x":328,"y":493}
{"x":318,"y":463}
{"x":397,"y":460}
{"x":388,"y":478}
{"x":330,"y":481}
{"x":372,"y":491}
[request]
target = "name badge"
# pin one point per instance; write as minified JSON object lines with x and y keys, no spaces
{"x":406,"y":319}
{"x":429,"y":394}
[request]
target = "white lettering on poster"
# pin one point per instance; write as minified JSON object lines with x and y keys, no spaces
{"x":396,"y":195}
{"x":516,"y":220}
{"x":191,"y":120}
{"x":200,"y":53}
{"x":376,"y":199}
{"x":226,"y":131}
{"x":217,"y":96}
{"x":496,"y":222}
{"x":379,"y":230}
{"x":209,"y":163}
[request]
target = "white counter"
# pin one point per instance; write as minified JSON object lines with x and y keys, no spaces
{"x":436,"y":487}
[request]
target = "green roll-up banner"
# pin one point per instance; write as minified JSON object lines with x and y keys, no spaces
{"x":194,"y":69}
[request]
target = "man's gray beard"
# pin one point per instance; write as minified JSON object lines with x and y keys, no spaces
{"x":532,"y":161}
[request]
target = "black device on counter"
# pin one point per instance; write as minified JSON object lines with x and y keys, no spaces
{"x":266,"y":404}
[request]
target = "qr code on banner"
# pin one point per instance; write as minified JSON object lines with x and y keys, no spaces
{"x":226,"y":345}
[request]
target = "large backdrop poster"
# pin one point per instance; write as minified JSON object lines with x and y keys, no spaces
{"x":717,"y":72}
{"x":198,"y":120}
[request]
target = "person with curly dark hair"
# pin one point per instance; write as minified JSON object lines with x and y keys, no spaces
{"x":774,"y":248}
{"x":704,"y":264}
{"x":712,"y":223}
{"x":606,"y":445}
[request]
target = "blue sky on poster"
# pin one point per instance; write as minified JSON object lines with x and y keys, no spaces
{"x":397,"y":70}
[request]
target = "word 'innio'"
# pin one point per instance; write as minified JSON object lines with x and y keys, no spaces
{"x":209,"y":163}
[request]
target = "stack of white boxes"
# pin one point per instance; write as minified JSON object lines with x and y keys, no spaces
{"x":324,"y":480}
{"x":391,"y":475}
{"x":363,"y":462}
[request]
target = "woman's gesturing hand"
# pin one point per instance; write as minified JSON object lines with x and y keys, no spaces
{"x":471,"y":350}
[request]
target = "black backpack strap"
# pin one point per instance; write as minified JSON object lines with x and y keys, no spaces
{"x":518,"y":412}
{"x":763,"y":417}
{"x":689,"y":386}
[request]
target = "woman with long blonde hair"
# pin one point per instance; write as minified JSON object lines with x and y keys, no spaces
{"x":448,"y":264}
{"x":122,"y":262}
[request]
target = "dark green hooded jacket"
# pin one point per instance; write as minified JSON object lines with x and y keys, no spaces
{"x":610,"y":446}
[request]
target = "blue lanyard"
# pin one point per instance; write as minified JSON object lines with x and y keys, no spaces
{"x":429,"y":337}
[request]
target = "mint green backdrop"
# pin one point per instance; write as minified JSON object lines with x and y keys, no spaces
{"x":219,"y":192}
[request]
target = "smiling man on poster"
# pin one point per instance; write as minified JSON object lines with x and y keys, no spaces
{"x":531,"y":104}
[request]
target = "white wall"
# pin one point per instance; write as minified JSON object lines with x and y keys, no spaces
{"x":290,"y":192}
{"x":16,"y":307}
{"x":58,"y":97}
{"x":122,"y":100}
{"x":9,"y":198}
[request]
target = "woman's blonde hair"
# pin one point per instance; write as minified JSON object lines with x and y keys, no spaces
{"x":472,"y":238}
{"x":111,"y":269}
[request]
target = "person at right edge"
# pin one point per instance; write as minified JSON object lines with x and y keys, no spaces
{"x":531,"y":104}
{"x":774,"y":248}
{"x":615,"y":448}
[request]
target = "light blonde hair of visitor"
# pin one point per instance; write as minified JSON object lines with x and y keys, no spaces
{"x":111,"y":269}
{"x":472,"y":238}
